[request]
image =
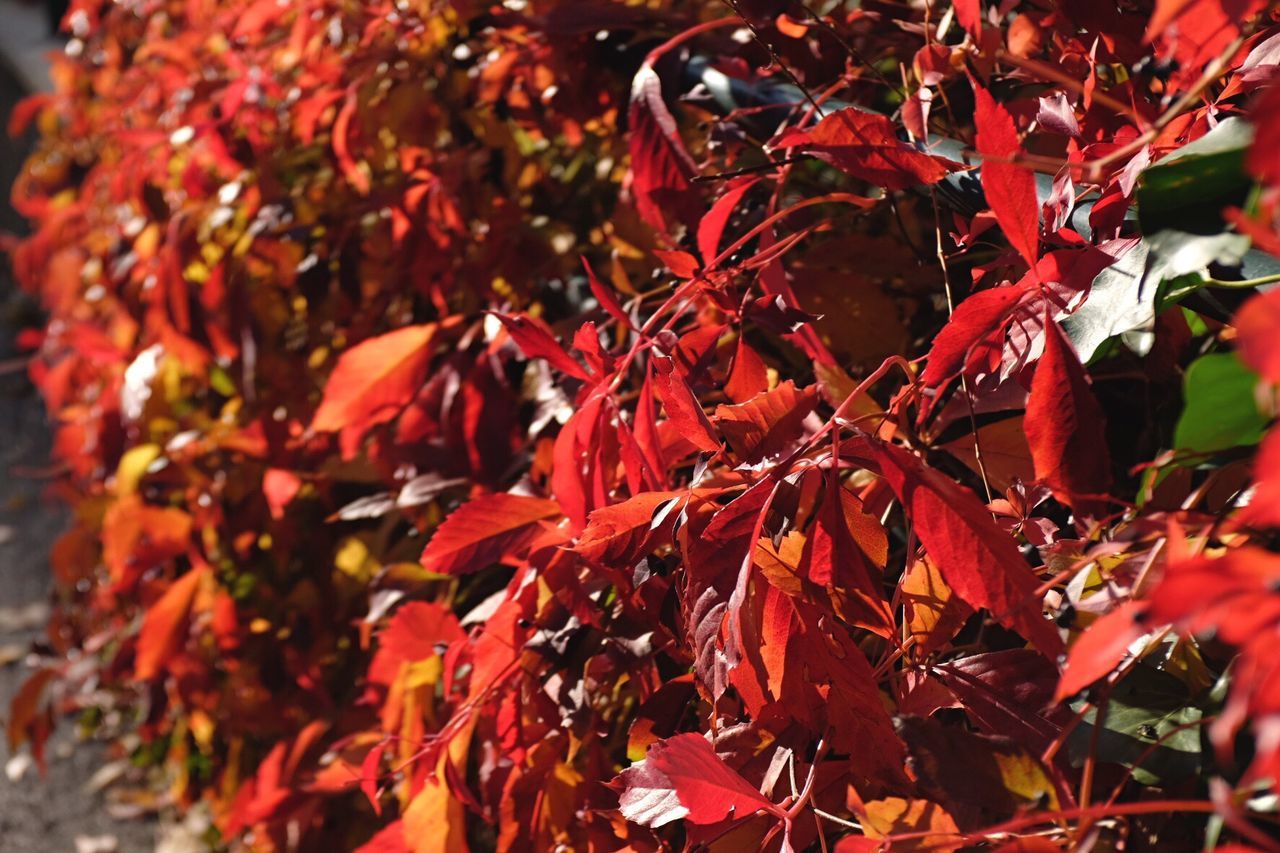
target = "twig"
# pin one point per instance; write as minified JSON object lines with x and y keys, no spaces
{"x":750,"y":170}
{"x":773,"y":56}
{"x":964,"y":378}
{"x":1071,"y":83}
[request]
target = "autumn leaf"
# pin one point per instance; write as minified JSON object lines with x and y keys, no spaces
{"x":536,"y":341}
{"x":1103,"y":645}
{"x":484,"y":531}
{"x":977,"y":317}
{"x":164,"y":623}
{"x":1066,"y":428}
{"x":618,"y":533}
{"x":280,"y":486}
{"x":661,"y":168}
{"x":1010,"y":189}
{"x":682,"y":778}
{"x":1257,"y":325}
{"x":712,"y":225}
{"x":375,"y":379}
{"x":768,"y":423}
{"x":969,"y":14}
{"x":866,"y":145}
{"x":682,"y":406}
{"x":137,"y":536}
{"x":977,"y":559}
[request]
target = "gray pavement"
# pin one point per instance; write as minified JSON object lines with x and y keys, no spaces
{"x":69,"y":809}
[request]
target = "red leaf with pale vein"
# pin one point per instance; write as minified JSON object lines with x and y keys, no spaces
{"x":536,"y":341}
{"x":1004,"y":692}
{"x":617,"y":534}
{"x":1010,"y":189}
{"x":768,"y":423}
{"x":162,"y":627}
{"x":866,"y":145}
{"x":485,"y":531}
{"x":375,"y":379}
{"x":974,"y":318}
{"x":1065,"y":425}
{"x":1257,"y":326}
{"x":683,"y":778}
{"x":1102,"y":646}
{"x":683,"y":408}
{"x":977,"y":559}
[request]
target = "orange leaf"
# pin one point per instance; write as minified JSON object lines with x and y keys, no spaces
{"x":618,"y":534}
{"x":163,"y":624}
{"x":485,"y":531}
{"x":136,"y":536}
{"x":375,"y":379}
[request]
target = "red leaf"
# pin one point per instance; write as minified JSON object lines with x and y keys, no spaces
{"x":605,"y":296}
{"x":280,"y":487}
{"x":1234,"y":593}
{"x":661,"y":168}
{"x":683,"y":778}
{"x":681,"y":264}
{"x":484,"y":531}
{"x":683,"y":408}
{"x":748,"y":376}
{"x":866,"y":145}
{"x":369,"y":776}
{"x":978,"y":316}
{"x":162,"y":627}
{"x":1101,"y":647}
{"x":1010,"y":189}
{"x":969,"y":15}
{"x":1065,"y":426}
{"x":1003,"y":693}
{"x":136,"y":537}
{"x":1257,"y":325}
{"x":416,"y":629}
{"x":536,"y":341}
{"x":833,"y":556}
{"x":357,"y":177}
{"x":768,"y":423}
{"x":711,"y":228}
{"x":977,"y":559}
{"x":1263,"y":160}
{"x":375,"y":379}
{"x":1263,"y":509}
{"x":617,"y":534}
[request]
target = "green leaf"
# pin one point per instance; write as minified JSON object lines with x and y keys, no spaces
{"x":1143,"y":713}
{"x":1221,"y":410}
{"x":1188,"y":190}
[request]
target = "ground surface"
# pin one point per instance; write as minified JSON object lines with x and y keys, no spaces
{"x":58,"y":812}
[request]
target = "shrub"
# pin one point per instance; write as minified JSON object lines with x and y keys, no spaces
{"x":473,"y":444}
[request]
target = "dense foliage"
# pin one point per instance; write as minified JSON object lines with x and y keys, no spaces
{"x":591,"y":425}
